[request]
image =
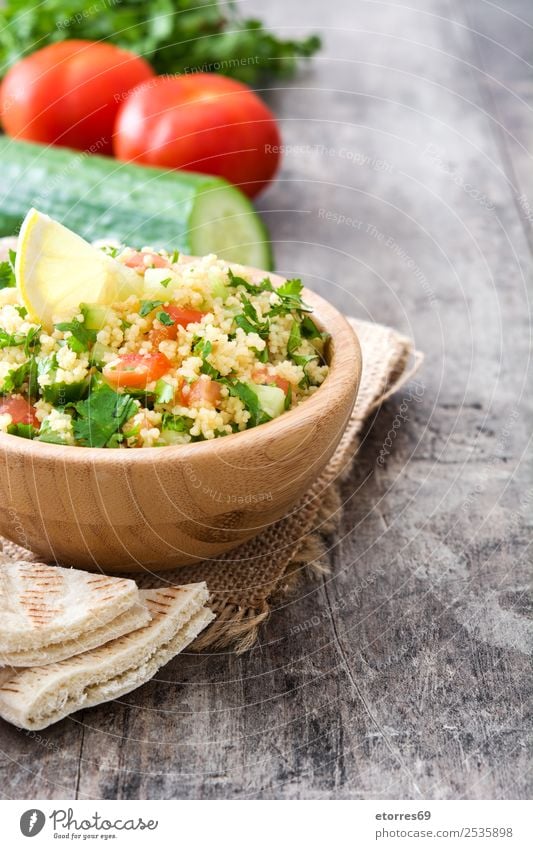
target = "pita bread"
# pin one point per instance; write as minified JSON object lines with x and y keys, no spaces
{"x":37,"y":697}
{"x":44,"y":605}
{"x":136,"y":617}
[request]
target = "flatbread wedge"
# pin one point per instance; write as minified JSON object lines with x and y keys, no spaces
{"x":43,"y":605}
{"x":136,"y":617}
{"x":36,"y":698}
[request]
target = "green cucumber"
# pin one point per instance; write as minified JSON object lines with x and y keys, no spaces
{"x":96,"y":316}
{"x":100,"y":198}
{"x":164,"y":392}
{"x":271,"y":399}
{"x":98,"y":354}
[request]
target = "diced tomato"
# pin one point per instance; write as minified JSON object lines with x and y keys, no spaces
{"x":136,"y":370}
{"x":20,"y":410}
{"x":202,"y":391}
{"x":181,"y":318}
{"x":264,"y":374}
{"x":146,"y":259}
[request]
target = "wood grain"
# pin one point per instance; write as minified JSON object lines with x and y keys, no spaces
{"x":405,"y":672}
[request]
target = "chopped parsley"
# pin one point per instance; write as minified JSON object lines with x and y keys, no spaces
{"x":7,"y":272}
{"x":101,"y":416}
{"x":202,"y":348}
{"x":30,"y":340}
{"x":250,"y":400}
{"x":81,"y":337}
{"x":148,"y":306}
{"x":16,"y":377}
{"x":165,"y":318}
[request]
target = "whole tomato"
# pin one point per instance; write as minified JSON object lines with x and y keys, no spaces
{"x":200,"y":122}
{"x":69,"y":94}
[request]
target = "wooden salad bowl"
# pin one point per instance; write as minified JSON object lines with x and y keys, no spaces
{"x":157,"y":508}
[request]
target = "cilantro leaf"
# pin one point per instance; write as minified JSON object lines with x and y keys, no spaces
{"x":16,"y":377}
{"x":81,"y":337}
{"x":250,"y":400}
{"x":202,"y":348}
{"x":252,"y":288}
{"x":9,"y":340}
{"x":250,"y":322}
{"x":46,"y":434}
{"x":180,"y":424}
{"x":102,"y":416}
{"x":148,"y":307}
{"x":7,"y":275}
{"x":290,"y":299}
{"x":165,"y":318}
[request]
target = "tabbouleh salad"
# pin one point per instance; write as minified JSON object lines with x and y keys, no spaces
{"x":204,"y":353}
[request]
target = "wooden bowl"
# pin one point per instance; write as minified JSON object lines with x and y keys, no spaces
{"x":157,"y":508}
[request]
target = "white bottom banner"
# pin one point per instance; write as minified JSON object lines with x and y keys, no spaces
{"x":264,"y":824}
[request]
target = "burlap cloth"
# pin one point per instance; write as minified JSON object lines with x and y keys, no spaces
{"x":244,"y":581}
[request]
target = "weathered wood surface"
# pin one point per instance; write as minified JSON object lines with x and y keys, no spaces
{"x":405,"y":673}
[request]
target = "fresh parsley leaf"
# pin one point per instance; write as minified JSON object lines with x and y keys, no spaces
{"x":180,"y":424}
{"x":46,"y":434}
{"x":81,"y":337}
{"x":252,"y":288}
{"x":15,"y":378}
{"x":250,"y":400}
{"x":309,"y":329}
{"x":202,"y":348}
{"x":176,"y":38}
{"x":294,"y":342}
{"x":290,"y":299}
{"x":7,"y":275}
{"x":250,"y":322}
{"x":165,"y":318}
{"x":27,"y":431}
{"x":9,"y":340}
{"x":288,"y":398}
{"x":148,"y":307}
{"x":102,"y":416}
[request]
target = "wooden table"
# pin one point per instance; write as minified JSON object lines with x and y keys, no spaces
{"x":406,"y":197}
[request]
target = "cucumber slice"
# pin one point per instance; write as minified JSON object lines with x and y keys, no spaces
{"x":164,"y":392}
{"x":95,"y":315}
{"x":131,"y":204}
{"x":271,"y":399}
{"x":219,"y":290}
{"x":225,"y":223}
{"x":98,"y":354}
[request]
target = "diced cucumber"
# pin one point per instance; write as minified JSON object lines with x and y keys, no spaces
{"x":164,"y":392}
{"x":130,"y":204}
{"x":172,"y":437}
{"x":271,"y":399}
{"x":219,"y":290}
{"x":99,"y":355}
{"x":96,"y":316}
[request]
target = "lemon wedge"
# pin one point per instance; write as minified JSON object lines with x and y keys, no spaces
{"x":56,"y":270}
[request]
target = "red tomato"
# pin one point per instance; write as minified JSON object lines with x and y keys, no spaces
{"x":136,"y":370}
{"x":20,"y":410}
{"x":202,"y":391}
{"x":181,"y":318}
{"x":262,"y":374}
{"x":136,"y":260}
{"x":201,"y":122}
{"x":69,"y":93}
